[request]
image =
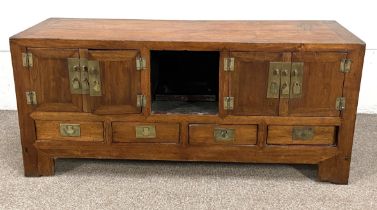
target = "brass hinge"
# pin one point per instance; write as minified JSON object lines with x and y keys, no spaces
{"x":140,"y":63}
{"x":31,"y":97}
{"x":228,"y":103}
{"x":27,"y":59}
{"x":141,"y":101}
{"x":340,"y":103}
{"x":345,"y":65}
{"x":228,"y":64}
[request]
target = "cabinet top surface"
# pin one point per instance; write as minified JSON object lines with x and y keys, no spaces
{"x":305,"y":32}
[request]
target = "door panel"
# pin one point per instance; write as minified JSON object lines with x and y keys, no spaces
{"x":50,"y":79}
{"x":249,"y":81}
{"x":120,"y":81}
{"x":322,"y":84}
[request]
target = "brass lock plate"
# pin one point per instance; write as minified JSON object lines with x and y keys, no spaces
{"x":224,"y":134}
{"x":84,"y":80}
{"x":285,"y":79}
{"x":145,"y":131}
{"x":74,"y":75}
{"x":70,"y":130}
{"x":302,"y":133}
{"x":94,"y":78}
{"x":274,"y":80}
{"x":297,"y":75}
{"x":84,"y":76}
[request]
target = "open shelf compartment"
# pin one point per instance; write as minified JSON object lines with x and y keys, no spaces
{"x":185,"y":82}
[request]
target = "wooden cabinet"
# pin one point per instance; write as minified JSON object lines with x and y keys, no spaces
{"x":229,"y":91}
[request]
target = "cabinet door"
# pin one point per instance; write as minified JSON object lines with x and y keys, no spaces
{"x":322,"y":84}
{"x":50,"y":79}
{"x":249,"y":81}
{"x":120,"y":82}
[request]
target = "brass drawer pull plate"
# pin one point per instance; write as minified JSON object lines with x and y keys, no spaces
{"x":70,"y":130}
{"x":145,"y":131}
{"x":302,"y":133}
{"x":224,"y":134}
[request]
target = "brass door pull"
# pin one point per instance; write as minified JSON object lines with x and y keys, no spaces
{"x":273,"y":80}
{"x":297,"y":79}
{"x":75,"y":84}
{"x":94,"y":78}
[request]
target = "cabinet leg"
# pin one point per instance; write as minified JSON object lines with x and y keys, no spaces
{"x":335,"y":170}
{"x":46,"y":164}
{"x":30,"y":160}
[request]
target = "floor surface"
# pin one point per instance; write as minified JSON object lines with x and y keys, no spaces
{"x":115,"y":184}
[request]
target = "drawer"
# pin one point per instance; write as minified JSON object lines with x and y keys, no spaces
{"x":69,"y":130}
{"x":145,"y":132}
{"x":315,"y":135}
{"x":222,"y":134}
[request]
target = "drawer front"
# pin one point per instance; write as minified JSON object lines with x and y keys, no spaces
{"x":222,"y":134}
{"x":145,"y":132}
{"x":314,"y":135}
{"x":69,"y":130}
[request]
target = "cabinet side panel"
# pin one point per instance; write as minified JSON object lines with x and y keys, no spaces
{"x":26,"y":123}
{"x":351,"y":94}
{"x":337,"y":169}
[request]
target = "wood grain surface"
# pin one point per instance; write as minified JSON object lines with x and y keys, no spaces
{"x":321,"y":32}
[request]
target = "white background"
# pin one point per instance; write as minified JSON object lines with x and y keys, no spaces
{"x":358,"y":16}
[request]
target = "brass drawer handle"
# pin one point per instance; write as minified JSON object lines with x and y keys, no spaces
{"x":145,"y":131}
{"x":302,"y":133}
{"x":70,"y":130}
{"x":224,"y":134}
